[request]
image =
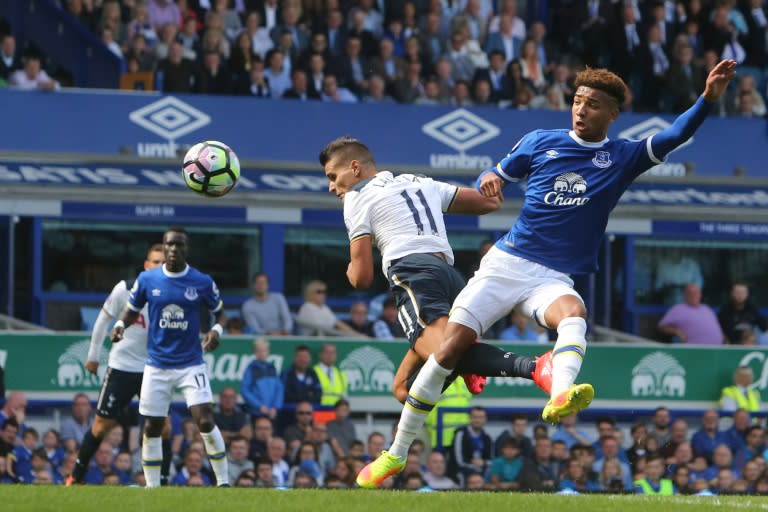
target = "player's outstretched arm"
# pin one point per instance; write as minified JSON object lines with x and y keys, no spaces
{"x":127,"y":317}
{"x":473,"y":202}
{"x":689,"y":121}
{"x":360,"y":269}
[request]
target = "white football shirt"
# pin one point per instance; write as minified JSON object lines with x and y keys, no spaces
{"x":403,"y":214}
{"x":130,"y":354}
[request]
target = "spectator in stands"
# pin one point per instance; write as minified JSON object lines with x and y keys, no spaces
{"x":83,"y":11}
{"x":140,"y":24}
{"x":318,"y":436}
{"x":162,"y":12}
{"x":242,"y":56}
{"x":409,"y":87}
{"x":215,"y":77}
{"x":262,"y":389}
{"x":111,"y":18}
{"x":678,"y":435}
{"x":358,"y":318}
{"x":299,"y":430}
{"x":341,"y":430}
{"x":32,"y":76}
{"x":262,"y":434}
{"x":237,"y":457}
{"x":505,"y":468}
{"x":306,"y":461}
{"x":22,"y":456}
{"x":709,"y":436}
{"x":256,"y":84}
{"x":333,"y":93}
{"x":102,"y":464}
{"x":377,"y":91}
{"x":264,"y":476}
{"x":299,"y":89}
{"x":473,"y":448}
{"x":9,"y":59}
{"x":737,"y":431}
{"x":290,"y":22}
{"x":739,"y":315}
{"x":333,"y":381}
{"x":659,"y":427}
{"x":388,"y":325}
{"x":213,"y":39}
{"x":519,"y":426}
{"x":567,"y":432}
{"x":232,"y":23}
{"x":229,"y":418}
{"x":73,"y":429}
{"x":386,"y":64}
{"x":754,"y":445}
{"x":53,"y":449}
{"x":519,"y":328}
{"x":276,"y":451}
{"x":175,"y":73}
{"x":300,"y":381}
{"x":750,"y":475}
{"x":261,"y":42}
{"x":504,"y":40}
{"x":315,"y":318}
{"x":540,"y":473}
{"x":16,"y":408}
{"x":691,"y":321}
{"x":435,"y":476}
{"x":742,"y":395}
{"x":610,"y":449}
{"x":575,"y":478}
{"x":191,"y":471}
{"x":144,"y":56}
{"x":652,"y":483}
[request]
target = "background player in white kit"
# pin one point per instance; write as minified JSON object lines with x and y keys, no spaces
{"x":122,"y":379}
{"x":174,"y":294}
{"x":403,"y":216}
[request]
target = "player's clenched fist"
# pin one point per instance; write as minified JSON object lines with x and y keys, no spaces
{"x":491,"y":185}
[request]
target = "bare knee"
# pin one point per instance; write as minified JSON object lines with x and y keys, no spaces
{"x":102,"y":426}
{"x":203,"y":415}
{"x":457,"y":339}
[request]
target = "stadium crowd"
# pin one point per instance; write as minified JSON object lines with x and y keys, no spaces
{"x":294,"y":430}
{"x":463,"y":52}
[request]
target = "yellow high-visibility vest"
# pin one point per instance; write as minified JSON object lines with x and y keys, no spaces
{"x":332,"y":391}
{"x":750,"y":403}
{"x":457,"y":395}
{"x":665,"y":487}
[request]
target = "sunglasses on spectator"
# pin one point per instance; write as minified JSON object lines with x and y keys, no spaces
{"x":303,"y":412}
{"x":320,"y":291}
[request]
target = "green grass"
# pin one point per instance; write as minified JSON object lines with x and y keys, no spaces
{"x":118,"y":499}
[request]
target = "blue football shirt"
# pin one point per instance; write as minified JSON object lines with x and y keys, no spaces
{"x":572,"y":187}
{"x":174,"y":300}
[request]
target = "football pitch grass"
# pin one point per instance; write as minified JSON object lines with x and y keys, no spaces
{"x":18,"y":498}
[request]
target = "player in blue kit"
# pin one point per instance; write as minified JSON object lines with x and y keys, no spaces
{"x":575,"y":178}
{"x":173,"y":294}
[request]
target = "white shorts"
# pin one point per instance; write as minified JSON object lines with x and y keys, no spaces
{"x":503,"y":282}
{"x":158,"y":385}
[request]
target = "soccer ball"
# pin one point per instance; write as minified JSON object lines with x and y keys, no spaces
{"x":210,"y":168}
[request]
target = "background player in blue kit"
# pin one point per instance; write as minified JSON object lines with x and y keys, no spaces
{"x":173,"y":294}
{"x":575,"y":178}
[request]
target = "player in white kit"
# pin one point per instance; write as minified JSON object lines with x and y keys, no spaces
{"x":403,"y":216}
{"x":122,"y":379}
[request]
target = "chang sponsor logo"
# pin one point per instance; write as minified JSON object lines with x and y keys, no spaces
{"x":460,"y":130}
{"x":567,"y":191}
{"x":368,"y":369}
{"x":658,"y":374}
{"x":71,"y":372}
{"x":168,"y":118}
{"x":172,"y":317}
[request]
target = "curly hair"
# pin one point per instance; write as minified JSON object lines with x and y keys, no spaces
{"x":603,"y":80}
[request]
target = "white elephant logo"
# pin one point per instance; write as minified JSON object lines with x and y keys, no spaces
{"x":368,"y":369}
{"x":71,"y":372}
{"x":658,"y":374}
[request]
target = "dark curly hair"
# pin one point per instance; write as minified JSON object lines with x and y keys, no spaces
{"x":603,"y":80}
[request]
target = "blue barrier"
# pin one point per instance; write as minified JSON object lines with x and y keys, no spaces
{"x":402,"y":137}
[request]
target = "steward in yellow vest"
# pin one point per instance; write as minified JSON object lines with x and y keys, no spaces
{"x":740,"y":396}
{"x":653,"y":484}
{"x":332,"y":380}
